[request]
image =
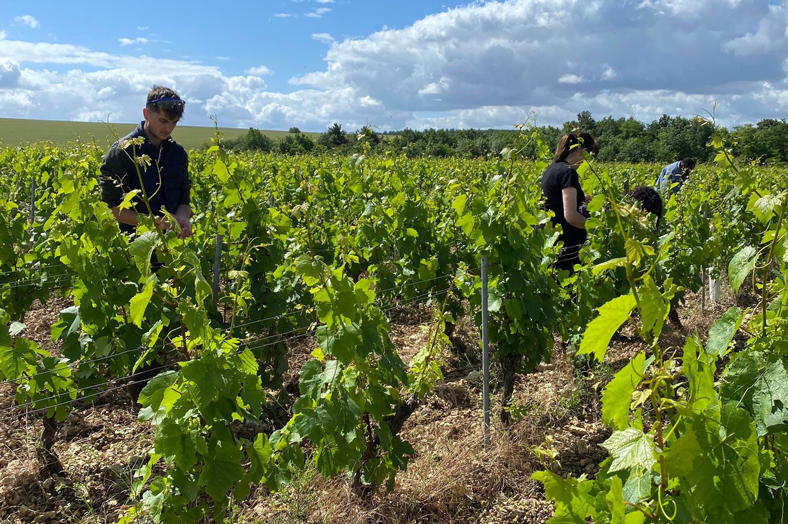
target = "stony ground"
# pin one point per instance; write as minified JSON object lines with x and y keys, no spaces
{"x":451,"y":479}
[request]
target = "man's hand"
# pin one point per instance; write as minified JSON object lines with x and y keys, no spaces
{"x":186,"y":226}
{"x":183,"y":215}
{"x":164,"y":223}
{"x":588,"y":199}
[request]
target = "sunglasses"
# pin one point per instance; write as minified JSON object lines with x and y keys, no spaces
{"x":168,"y":103}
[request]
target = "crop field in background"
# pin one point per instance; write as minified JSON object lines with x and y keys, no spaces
{"x":15,"y":132}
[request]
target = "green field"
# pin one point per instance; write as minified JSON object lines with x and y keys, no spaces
{"x":16,"y":132}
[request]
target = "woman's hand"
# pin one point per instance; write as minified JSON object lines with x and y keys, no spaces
{"x":588,"y":199}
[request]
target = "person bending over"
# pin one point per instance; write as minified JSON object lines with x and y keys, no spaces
{"x":674,"y":175}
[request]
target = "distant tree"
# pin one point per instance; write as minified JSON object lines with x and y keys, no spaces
{"x":252,"y":140}
{"x":773,"y":135}
{"x":586,"y":122}
{"x":295,"y":145}
{"x":367,"y":135}
{"x":305,"y":144}
{"x":609,"y":147}
{"x":630,"y":128}
{"x":747,"y":145}
{"x":294,"y":130}
{"x":257,"y":141}
{"x":334,"y":137}
{"x":635,"y":150}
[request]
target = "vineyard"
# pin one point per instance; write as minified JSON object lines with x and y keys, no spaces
{"x":301,"y":344}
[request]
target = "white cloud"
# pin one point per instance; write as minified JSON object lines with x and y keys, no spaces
{"x":9,"y":74}
{"x":571,"y":79}
{"x":323,"y":38}
{"x":435,"y":88}
{"x":771,"y":35}
{"x":259,"y":71}
{"x":324,"y":1}
{"x":27,"y":20}
{"x":484,"y":65}
{"x":368,"y":101}
{"x":142,"y":28}
{"x":319,"y":12}
{"x":284,"y":15}
{"x":132,"y":41}
{"x":2,"y":35}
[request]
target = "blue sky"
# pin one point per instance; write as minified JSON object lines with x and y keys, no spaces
{"x":395,"y":64}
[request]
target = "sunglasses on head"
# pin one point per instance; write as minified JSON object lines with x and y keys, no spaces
{"x":168,"y":102}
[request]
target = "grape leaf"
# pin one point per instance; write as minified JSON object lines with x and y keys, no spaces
{"x":653,"y":307}
{"x":141,"y":300}
{"x":615,"y":502}
{"x":701,"y":391}
{"x":721,"y":333}
{"x":618,"y":394}
{"x":601,"y":329}
{"x":571,"y":497}
{"x":759,"y":383}
{"x":740,"y":266}
{"x":16,"y":358}
{"x":142,"y":250}
{"x":174,"y":444}
{"x":222,"y":470}
{"x":631,"y":448}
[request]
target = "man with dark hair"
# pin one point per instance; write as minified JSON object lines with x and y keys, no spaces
{"x":674,"y":175}
{"x":164,"y":178}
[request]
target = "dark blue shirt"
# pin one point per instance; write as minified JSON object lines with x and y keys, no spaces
{"x":166,"y":180}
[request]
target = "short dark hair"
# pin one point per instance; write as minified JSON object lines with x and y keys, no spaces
{"x":649,"y":200}
{"x":688,"y":163}
{"x":174,"y":112}
{"x":566,"y":143}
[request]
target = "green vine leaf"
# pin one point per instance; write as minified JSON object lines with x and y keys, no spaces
{"x":600,"y":330}
{"x":617,"y":395}
{"x":723,"y":330}
{"x":631,"y":448}
{"x":141,"y":300}
{"x":740,"y":266}
{"x":142,"y":250}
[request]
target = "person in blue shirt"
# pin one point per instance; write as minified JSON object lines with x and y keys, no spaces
{"x":674,"y":175}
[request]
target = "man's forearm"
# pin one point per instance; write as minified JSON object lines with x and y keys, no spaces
{"x":183,"y":211}
{"x":126,"y":216}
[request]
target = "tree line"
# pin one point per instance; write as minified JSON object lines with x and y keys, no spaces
{"x":624,"y":139}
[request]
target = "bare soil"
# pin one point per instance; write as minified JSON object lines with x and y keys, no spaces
{"x":452,"y":477}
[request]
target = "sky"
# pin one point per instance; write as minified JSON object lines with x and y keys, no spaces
{"x":395,"y":64}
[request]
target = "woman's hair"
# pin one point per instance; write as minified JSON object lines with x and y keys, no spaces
{"x":570,"y":141}
{"x":649,"y":200}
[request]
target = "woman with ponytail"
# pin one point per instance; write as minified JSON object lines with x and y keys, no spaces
{"x":563,"y":195}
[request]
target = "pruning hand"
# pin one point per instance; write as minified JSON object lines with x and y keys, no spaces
{"x":186,"y":226}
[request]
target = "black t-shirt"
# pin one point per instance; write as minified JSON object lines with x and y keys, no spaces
{"x":556,"y":178}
